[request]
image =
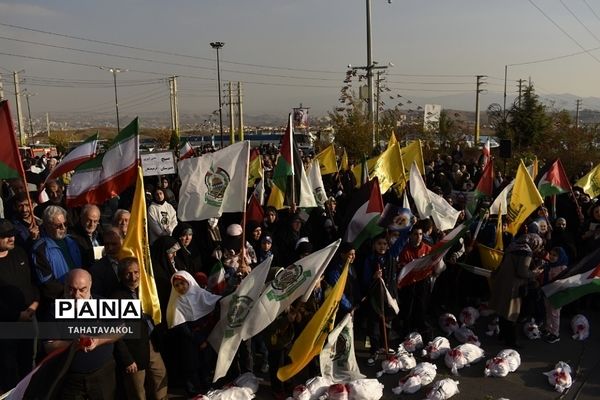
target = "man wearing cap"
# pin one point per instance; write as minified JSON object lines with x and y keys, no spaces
{"x":18,"y":303}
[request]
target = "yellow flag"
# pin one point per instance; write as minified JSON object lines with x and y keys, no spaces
{"x":392,"y":141}
{"x":389,"y":168}
{"x":135,"y":245}
{"x":524,"y":200}
{"x":413,"y":152}
{"x":255,"y":168}
{"x":499,"y":241}
{"x":276,"y":198}
{"x":310,"y":342}
{"x":357,"y":170}
{"x":591,"y":182}
{"x":345,"y":165}
{"x":327,"y":160}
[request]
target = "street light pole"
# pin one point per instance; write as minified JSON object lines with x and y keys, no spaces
{"x":217,"y":46}
{"x":371,"y":103}
{"x":27,"y":96}
{"x":114,"y":72}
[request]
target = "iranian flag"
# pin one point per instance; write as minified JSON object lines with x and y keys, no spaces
{"x":554,"y":180}
{"x":186,"y":150}
{"x":82,"y":153}
{"x":421,"y":268}
{"x":364,"y":213}
{"x":107,"y":175}
{"x":577,"y":283}
{"x":11,"y":165}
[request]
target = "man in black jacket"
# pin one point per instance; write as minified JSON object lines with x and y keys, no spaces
{"x":18,"y":303}
{"x":143,"y":367}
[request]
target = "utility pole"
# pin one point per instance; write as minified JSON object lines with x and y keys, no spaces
{"x":27,"y":96}
{"x":1,"y":89}
{"x":22,"y":138}
{"x":379,"y":79}
{"x":521,"y":81}
{"x":240,"y":114}
{"x":578,"y":103}
{"x":231,"y":119}
{"x":217,"y":46}
{"x":480,"y":82}
{"x":174,"y":107}
{"x":48,"y":125}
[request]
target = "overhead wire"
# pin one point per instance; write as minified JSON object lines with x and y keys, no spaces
{"x":579,"y":20}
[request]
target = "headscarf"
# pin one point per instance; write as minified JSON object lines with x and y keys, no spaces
{"x":563,"y":258}
{"x":529,"y":243}
{"x":191,"y":306}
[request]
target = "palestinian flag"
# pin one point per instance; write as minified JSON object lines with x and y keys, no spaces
{"x":82,"y":153}
{"x":421,"y":268}
{"x":107,"y":175}
{"x":216,"y":279}
{"x":11,"y":166}
{"x":576,"y":284}
{"x":186,"y":150}
{"x":254,"y":212}
{"x":290,"y":183}
{"x":44,"y":381}
{"x":364,"y":213}
{"x":380,"y":297}
{"x":553,"y":180}
{"x":485,"y":186}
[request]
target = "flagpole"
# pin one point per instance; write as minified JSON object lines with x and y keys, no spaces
{"x":385,"y":341}
{"x":243,"y":260}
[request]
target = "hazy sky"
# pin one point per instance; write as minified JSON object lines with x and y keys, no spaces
{"x":288,"y":52}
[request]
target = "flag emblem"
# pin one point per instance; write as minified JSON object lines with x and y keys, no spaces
{"x":238,"y":311}
{"x":287,"y":281}
{"x":216,"y":184}
{"x":342,"y":347}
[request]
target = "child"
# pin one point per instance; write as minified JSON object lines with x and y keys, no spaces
{"x":557,"y":262}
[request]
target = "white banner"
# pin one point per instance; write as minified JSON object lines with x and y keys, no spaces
{"x":162,"y":163}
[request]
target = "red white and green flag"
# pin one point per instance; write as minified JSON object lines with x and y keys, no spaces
{"x":107,"y":175}
{"x":186,"y":150}
{"x":553,"y":180}
{"x":216,"y":279}
{"x":364,"y":213}
{"x":577,"y":284}
{"x":421,"y":268}
{"x":485,"y":186}
{"x":82,"y":153}
{"x":11,"y":166}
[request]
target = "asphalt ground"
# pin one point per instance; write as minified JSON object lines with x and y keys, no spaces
{"x":527,"y":382}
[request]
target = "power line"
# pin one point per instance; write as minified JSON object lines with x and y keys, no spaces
{"x":578,"y":20}
{"x":564,"y":31}
{"x":166,"y":52}
{"x":591,"y":9}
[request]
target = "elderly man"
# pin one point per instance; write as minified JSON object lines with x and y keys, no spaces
{"x":121,"y":221}
{"x":143,"y":368}
{"x":91,"y":374}
{"x":87,"y":233}
{"x":54,"y":254}
{"x":18,"y":302}
{"x":105,"y":270}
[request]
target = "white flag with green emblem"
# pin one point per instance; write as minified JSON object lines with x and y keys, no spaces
{"x":214,"y":183}
{"x":297,"y":280}
{"x":338,"y":359}
{"x":225,"y":337}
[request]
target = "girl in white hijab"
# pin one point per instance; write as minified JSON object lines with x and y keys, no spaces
{"x":188,"y":301}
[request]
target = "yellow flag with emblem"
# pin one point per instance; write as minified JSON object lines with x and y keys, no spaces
{"x":357,"y":171}
{"x":389,"y":168}
{"x":327,"y":160}
{"x":524,"y":200}
{"x":413,"y":152}
{"x":312,"y":339}
{"x":590,"y":183}
{"x":135,"y":245}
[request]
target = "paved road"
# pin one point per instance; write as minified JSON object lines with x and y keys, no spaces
{"x":527,"y":382}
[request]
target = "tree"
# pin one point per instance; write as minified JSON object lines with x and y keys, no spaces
{"x":529,"y":121}
{"x":60,"y":140}
{"x":352,"y":128}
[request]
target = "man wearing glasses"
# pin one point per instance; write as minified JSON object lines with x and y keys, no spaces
{"x":54,"y":254}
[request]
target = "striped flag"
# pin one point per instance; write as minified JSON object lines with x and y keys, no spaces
{"x":186,"y":150}
{"x":82,"y":153}
{"x":106,"y":176}
{"x":364,"y":213}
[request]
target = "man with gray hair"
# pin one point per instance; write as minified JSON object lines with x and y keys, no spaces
{"x":54,"y":255}
{"x":88,"y":234}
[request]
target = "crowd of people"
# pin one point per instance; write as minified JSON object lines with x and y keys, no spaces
{"x":50,"y":251}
